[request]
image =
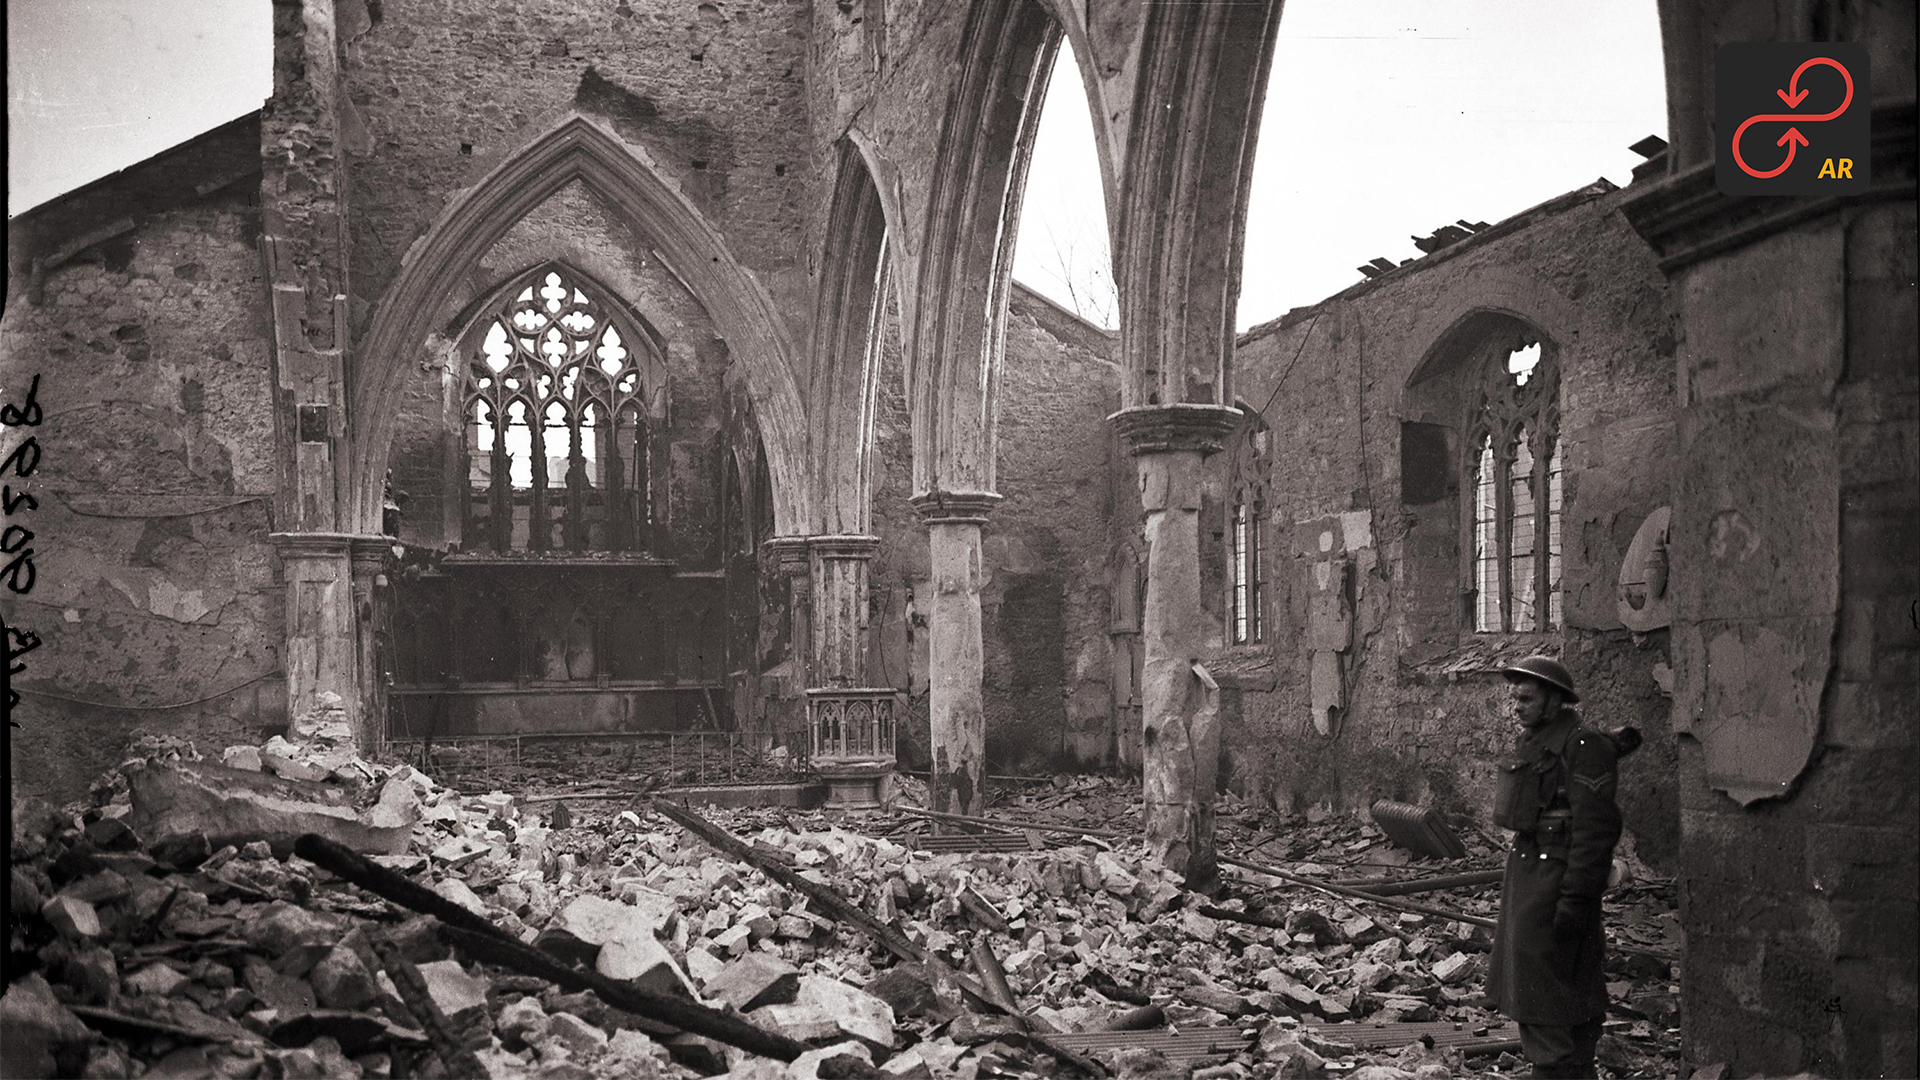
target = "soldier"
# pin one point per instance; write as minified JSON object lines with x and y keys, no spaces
{"x":1556,"y":794}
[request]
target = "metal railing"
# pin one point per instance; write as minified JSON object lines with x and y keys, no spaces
{"x":851,"y":724}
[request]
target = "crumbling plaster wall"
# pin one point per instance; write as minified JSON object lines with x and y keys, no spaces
{"x":155,"y":583}
{"x":1801,"y":910}
{"x":1044,"y":600}
{"x":1422,"y":720}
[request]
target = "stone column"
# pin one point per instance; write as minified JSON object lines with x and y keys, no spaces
{"x":322,"y":654}
{"x":1180,"y":736}
{"x":785,"y":559}
{"x":959,"y":732}
{"x":839,"y":570}
{"x":369,"y":556}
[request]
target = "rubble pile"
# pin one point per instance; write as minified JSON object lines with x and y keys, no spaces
{"x":168,"y":929}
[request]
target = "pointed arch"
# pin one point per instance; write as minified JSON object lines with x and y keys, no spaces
{"x":959,"y":317}
{"x":848,"y":306}
{"x":576,"y":148}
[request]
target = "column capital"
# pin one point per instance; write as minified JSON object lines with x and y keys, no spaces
{"x":786,"y":555}
{"x":844,"y":546}
{"x":954,"y":507}
{"x":1162,"y":429}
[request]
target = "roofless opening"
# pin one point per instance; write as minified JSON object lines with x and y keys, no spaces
{"x":1061,"y":250}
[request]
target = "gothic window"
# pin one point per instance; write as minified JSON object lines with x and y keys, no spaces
{"x":557,"y":447}
{"x":1246,"y":533}
{"x":1515,"y":481}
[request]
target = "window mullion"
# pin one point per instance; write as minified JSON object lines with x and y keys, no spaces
{"x":1503,"y":527}
{"x":1542,"y":508}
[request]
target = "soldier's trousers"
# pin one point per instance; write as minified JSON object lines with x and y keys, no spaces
{"x":1561,"y":1051}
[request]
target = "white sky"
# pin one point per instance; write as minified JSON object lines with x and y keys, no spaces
{"x":1385,"y":119}
{"x":94,"y":86}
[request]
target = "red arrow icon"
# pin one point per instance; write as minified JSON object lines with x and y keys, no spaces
{"x":1793,"y":96}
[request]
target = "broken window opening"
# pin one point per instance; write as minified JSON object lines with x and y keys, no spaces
{"x":552,"y":351}
{"x":1515,"y":475}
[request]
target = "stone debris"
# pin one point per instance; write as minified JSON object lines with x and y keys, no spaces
{"x":230,"y":956}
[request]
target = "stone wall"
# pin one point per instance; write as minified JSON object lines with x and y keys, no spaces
{"x":155,"y":592}
{"x":1799,"y":819}
{"x":1364,"y":396}
{"x":1045,"y":602}
{"x":715,"y":92}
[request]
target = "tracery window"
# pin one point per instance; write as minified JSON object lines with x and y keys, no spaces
{"x":558,"y":449}
{"x":1246,"y":534}
{"x":1516,"y":483}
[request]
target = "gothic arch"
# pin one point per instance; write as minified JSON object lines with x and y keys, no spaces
{"x":966,"y":265}
{"x":848,"y":306}
{"x":1528,"y":300}
{"x":576,"y":148}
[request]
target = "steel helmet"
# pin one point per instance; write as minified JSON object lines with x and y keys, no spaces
{"x":1547,"y":670}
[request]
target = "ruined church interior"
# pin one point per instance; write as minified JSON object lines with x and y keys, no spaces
{"x":596,"y":452}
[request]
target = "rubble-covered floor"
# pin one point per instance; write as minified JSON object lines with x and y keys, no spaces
{"x":159,"y":956}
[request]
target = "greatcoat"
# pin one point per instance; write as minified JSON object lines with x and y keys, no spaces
{"x":1558,"y":795}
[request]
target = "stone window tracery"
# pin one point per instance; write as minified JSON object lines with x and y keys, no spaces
{"x":1515,"y":477}
{"x":570,"y":468}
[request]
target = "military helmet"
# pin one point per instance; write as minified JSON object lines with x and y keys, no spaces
{"x":1547,"y":670}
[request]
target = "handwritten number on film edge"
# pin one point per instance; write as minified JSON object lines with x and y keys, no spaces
{"x":19,"y":573}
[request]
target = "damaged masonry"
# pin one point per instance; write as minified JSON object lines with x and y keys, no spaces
{"x":329,"y":917}
{"x":556,"y":546}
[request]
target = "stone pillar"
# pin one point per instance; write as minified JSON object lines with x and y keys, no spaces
{"x":322,"y":654}
{"x":839,"y":571}
{"x":785,"y":559}
{"x":1180,"y":735}
{"x":369,"y":556}
{"x":954,"y":653}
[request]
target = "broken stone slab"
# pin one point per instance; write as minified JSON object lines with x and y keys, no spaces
{"x":459,"y":892}
{"x":643,"y":961}
{"x":793,"y":928}
{"x":521,"y":1020}
{"x":703,"y":967}
{"x":460,"y":996}
{"x":279,"y":927}
{"x":158,"y":980}
{"x":1362,"y":930}
{"x":734,"y":940}
{"x":753,"y":981}
{"x":460,"y":851}
{"x":1454,"y":970}
{"x":341,"y":980}
{"x":910,"y":991}
{"x":856,"y":1012}
{"x":72,"y":917}
{"x":596,"y":920}
{"x":226,"y":805}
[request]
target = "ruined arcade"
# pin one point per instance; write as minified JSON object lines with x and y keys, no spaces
{"x":562,"y":537}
